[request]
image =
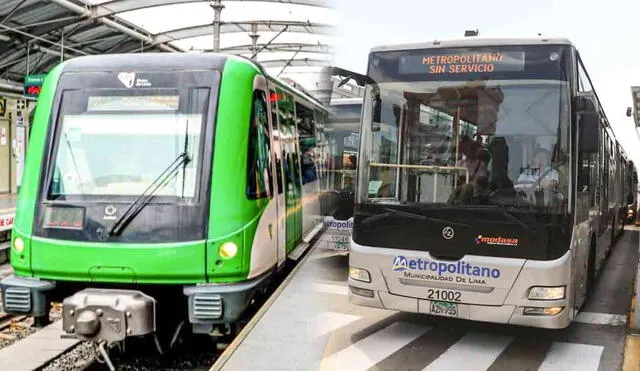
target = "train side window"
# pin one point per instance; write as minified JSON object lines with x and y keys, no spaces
{"x":259,"y":180}
{"x":276,"y":135}
{"x":307,"y":143}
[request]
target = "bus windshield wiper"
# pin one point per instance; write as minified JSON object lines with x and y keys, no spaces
{"x":503,"y":210}
{"x":390,"y":211}
{"x":146,"y":196}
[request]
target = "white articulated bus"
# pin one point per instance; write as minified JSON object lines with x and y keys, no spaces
{"x":490,"y":184}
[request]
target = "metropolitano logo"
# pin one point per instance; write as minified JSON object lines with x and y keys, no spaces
{"x":400,"y":264}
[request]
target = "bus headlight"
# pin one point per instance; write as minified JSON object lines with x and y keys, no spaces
{"x":18,"y":244}
{"x":228,"y":250}
{"x":358,"y":274}
{"x":546,"y":293}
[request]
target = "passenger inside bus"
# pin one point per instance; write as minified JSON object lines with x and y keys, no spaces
{"x":541,"y":174}
{"x":500,"y":181}
{"x":477,"y":190}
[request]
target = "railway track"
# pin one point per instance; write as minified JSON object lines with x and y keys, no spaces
{"x":14,"y":328}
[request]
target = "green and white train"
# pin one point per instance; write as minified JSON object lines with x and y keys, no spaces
{"x":160,"y":189}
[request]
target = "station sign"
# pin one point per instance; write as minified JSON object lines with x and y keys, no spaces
{"x":466,"y":62}
{"x":33,"y":84}
{"x":6,"y":222}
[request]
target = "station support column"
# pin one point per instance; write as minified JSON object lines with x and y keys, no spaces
{"x":217,"y":8}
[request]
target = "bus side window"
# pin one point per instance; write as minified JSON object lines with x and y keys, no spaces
{"x":587,"y":172}
{"x":307,"y":143}
{"x":259,"y":180}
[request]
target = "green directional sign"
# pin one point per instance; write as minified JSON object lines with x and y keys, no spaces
{"x":33,"y":84}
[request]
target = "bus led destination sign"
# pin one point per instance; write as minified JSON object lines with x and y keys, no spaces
{"x":457,"y":63}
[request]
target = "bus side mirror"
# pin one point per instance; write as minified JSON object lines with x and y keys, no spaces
{"x":377,"y":108}
{"x":589,"y":126}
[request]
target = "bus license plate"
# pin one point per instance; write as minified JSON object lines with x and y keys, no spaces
{"x":340,"y":242}
{"x":443,"y":308}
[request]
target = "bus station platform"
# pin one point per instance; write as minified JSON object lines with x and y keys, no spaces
{"x":308,"y":324}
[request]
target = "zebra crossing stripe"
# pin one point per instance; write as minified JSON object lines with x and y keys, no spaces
{"x":474,"y":351}
{"x":327,"y":322}
{"x":365,"y":353}
{"x":571,"y":356}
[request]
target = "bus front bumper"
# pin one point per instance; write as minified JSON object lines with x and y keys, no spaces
{"x":512,"y":291}
{"x":505,"y":314}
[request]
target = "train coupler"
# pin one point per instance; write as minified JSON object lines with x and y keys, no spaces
{"x":110,"y":316}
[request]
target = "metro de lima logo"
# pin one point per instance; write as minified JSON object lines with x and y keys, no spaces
{"x":400,"y":264}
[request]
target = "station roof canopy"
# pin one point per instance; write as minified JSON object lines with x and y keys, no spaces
{"x":35,"y":35}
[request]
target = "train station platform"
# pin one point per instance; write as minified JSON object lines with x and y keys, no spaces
{"x":7,"y":213}
{"x":7,"y":210}
{"x":308,"y":324}
{"x":36,"y":350}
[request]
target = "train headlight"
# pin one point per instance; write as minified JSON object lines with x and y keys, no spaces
{"x":546,"y":293}
{"x":228,"y":250}
{"x":18,"y":244}
{"x":358,"y":274}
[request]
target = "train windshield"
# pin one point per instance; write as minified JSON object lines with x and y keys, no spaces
{"x":116,"y":142}
{"x":467,"y":127}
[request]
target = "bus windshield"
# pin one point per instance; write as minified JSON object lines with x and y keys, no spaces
{"x":446,"y":137}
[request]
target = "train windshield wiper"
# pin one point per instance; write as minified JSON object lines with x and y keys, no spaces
{"x":145,"y":197}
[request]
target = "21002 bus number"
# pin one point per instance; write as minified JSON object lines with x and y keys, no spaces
{"x":444,"y":295}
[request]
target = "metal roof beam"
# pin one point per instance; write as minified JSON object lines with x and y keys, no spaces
{"x":113,"y":24}
{"x":40,"y":38}
{"x":48,"y":21}
{"x":47,"y":27}
{"x":245,"y":26}
{"x":303,"y":62}
{"x":281,"y":47}
{"x":12,"y":12}
{"x":117,"y":36}
{"x":20,"y":55}
{"x":120,"y":6}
